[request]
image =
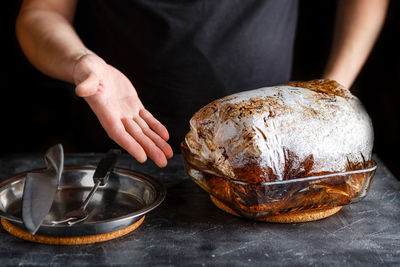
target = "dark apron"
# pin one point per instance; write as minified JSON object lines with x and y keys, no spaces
{"x":181,"y":55}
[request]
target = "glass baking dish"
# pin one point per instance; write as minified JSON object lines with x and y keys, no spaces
{"x":268,"y":200}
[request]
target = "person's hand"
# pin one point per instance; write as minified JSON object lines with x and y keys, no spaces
{"x":116,"y":104}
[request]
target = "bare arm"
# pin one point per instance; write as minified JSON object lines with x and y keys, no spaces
{"x":47,"y":37}
{"x":44,"y":30}
{"x":358,"y":24}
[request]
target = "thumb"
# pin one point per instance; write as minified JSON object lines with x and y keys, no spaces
{"x":88,"y":87}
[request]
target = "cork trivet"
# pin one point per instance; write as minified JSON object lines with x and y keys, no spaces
{"x":76,"y":240}
{"x":293,"y":217}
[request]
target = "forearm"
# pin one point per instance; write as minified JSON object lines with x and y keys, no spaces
{"x":358,"y":23}
{"x":49,"y":41}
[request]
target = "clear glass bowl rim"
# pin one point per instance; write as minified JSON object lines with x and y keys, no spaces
{"x":310,"y":178}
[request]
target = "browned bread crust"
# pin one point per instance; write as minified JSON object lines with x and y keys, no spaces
{"x":323,"y":86}
{"x":297,"y":130}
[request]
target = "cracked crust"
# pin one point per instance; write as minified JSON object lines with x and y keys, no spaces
{"x":284,"y":132}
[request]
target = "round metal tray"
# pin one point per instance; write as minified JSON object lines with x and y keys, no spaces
{"x":125,"y":199}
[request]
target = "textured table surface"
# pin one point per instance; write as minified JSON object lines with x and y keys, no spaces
{"x":188,"y":230}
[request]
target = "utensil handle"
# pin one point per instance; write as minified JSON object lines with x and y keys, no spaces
{"x":91,"y":193}
{"x":105,"y":166}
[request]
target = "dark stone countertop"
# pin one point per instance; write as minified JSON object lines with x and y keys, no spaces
{"x":188,"y":230}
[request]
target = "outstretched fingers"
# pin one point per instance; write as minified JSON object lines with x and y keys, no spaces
{"x":126,"y":141}
{"x":154,"y":124}
{"x":157,"y":140}
{"x":151,"y":149}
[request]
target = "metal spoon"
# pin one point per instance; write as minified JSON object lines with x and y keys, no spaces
{"x":100,"y":177}
{"x":76,"y":216}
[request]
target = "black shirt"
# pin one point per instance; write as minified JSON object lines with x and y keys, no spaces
{"x":182,"y":54}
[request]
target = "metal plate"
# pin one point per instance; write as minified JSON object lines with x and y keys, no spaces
{"x":126,"y":197}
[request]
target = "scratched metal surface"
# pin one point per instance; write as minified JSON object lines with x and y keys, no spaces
{"x":188,"y":230}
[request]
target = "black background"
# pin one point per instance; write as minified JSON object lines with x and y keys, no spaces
{"x":37,"y":111}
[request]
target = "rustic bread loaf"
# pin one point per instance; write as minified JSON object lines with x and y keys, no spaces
{"x":284,"y":132}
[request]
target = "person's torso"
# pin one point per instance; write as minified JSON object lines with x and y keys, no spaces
{"x":182,"y":54}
